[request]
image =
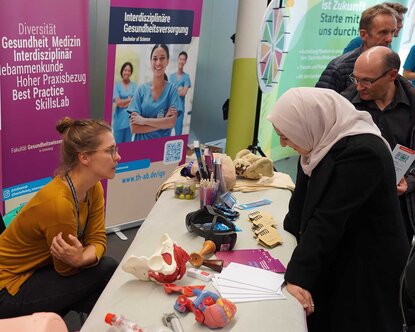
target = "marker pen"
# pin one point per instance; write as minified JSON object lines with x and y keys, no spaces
{"x":208,"y":161}
{"x":202,"y":172}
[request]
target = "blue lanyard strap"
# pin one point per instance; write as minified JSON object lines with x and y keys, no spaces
{"x":80,"y":231}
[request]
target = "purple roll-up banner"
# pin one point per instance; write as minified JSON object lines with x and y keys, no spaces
{"x":44,"y":61}
{"x":135,"y":27}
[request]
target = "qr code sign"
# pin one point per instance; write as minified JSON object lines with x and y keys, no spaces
{"x":173,"y":151}
{"x":401,"y":156}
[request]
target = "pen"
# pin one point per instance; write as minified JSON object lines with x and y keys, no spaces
{"x":215,"y":169}
{"x":219,"y":176}
{"x":202,"y":172}
{"x":208,"y":161}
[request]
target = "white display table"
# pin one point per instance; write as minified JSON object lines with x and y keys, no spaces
{"x":146,"y":302}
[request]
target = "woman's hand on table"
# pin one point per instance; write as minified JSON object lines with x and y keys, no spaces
{"x":303,"y":296}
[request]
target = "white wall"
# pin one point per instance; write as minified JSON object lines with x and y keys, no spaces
{"x":98,"y":27}
{"x":214,"y":69}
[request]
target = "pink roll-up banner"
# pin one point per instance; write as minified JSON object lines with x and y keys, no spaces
{"x":44,"y":61}
{"x":136,"y":26}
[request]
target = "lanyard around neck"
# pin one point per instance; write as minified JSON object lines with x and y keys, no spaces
{"x":80,"y":231}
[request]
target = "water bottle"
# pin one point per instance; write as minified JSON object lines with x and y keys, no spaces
{"x":121,"y":324}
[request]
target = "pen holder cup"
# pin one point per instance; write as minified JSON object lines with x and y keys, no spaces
{"x":207,"y":196}
{"x":184,"y":190}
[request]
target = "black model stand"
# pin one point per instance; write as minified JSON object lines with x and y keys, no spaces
{"x":254,"y":147}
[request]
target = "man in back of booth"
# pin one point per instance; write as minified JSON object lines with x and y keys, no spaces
{"x":400,"y":10}
{"x":377,"y":27}
{"x":390,"y":99}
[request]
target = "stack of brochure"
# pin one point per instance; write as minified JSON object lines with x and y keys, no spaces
{"x":243,"y":283}
{"x":254,"y":257}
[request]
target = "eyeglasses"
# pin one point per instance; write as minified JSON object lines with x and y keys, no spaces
{"x":366,"y":83}
{"x":113,"y":151}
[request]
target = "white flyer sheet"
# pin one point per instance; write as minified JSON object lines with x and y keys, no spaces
{"x":403,"y":158}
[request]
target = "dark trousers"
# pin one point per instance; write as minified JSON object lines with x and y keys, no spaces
{"x":47,"y":291}
{"x":405,"y":218}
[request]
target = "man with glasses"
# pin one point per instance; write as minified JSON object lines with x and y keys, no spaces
{"x":390,"y":99}
{"x":377,"y":27}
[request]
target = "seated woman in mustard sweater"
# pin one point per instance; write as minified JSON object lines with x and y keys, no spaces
{"x":51,"y":254}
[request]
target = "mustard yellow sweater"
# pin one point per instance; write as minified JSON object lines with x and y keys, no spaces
{"x":25,"y":244}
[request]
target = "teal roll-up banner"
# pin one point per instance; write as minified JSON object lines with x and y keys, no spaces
{"x":315,"y":33}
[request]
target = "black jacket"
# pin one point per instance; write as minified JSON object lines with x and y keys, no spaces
{"x":351,"y":241}
{"x":336,"y":75}
{"x":409,"y":91}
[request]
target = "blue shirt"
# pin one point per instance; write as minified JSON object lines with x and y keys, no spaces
{"x":410,"y":62}
{"x":184,"y":81}
{"x":144,"y":104}
{"x":121,"y":117}
{"x":357,"y":42}
{"x":354,"y":43}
